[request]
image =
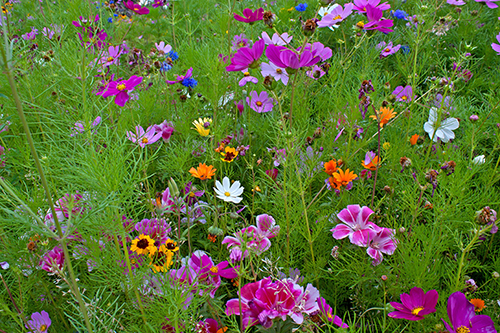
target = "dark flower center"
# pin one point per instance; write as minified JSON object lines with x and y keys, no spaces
{"x":143,"y":244}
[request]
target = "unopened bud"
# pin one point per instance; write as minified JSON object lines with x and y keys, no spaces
{"x":172,"y":188}
{"x":495,"y":275}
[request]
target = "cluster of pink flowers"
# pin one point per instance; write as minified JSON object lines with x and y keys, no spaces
{"x":361,"y":232}
{"x":254,"y":239}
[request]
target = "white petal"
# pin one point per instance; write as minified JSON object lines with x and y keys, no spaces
{"x":235,"y":186}
{"x":429,"y":128}
{"x":449,"y":134}
{"x":226,"y":184}
{"x":433,"y":115}
{"x":235,"y":199}
{"x":450,"y":124}
{"x":237,"y":192}
{"x":441,"y":135}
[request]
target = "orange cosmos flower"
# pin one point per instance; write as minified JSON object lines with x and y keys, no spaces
{"x":414,"y":139}
{"x":203,"y":171}
{"x":371,"y":161}
{"x":385,"y":114}
{"x":342,"y":178}
{"x":478,"y":304}
{"x":330,"y":167}
{"x":229,"y":154}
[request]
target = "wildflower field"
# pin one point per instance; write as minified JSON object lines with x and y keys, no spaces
{"x":249,"y":166}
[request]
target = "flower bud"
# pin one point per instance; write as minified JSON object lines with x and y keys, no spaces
{"x":309,"y":26}
{"x":473,"y":118}
{"x":213,"y":230}
{"x":172,"y":188}
{"x":384,"y":277}
{"x":269,"y":82}
{"x":495,"y":275}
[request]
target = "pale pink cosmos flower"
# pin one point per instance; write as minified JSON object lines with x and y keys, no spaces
{"x":337,"y":15}
{"x":162,"y":47}
{"x":276,"y":72}
{"x":455,"y":2}
{"x":316,"y":72}
{"x":79,"y":127}
{"x":355,"y":225}
{"x":387,"y":49}
{"x":277,"y":39}
{"x":495,"y":46}
{"x":489,"y":3}
{"x":247,"y":78}
{"x":382,"y":242}
{"x":260,"y":102}
{"x":142,"y":137}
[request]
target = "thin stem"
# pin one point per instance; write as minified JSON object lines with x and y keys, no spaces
{"x":14,"y":302}
{"x":378,"y":154}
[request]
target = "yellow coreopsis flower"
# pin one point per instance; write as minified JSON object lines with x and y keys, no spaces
{"x":202,"y":126}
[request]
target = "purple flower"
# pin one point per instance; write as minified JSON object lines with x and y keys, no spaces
{"x":387,"y":49}
{"x":144,"y":138}
{"x":79,"y":127}
{"x":240,"y":41}
{"x":260,"y":102}
{"x":290,"y":60}
{"x":337,"y":15}
{"x":120,"y":89}
{"x":30,"y":35}
{"x":318,"y":49}
{"x":39,"y":323}
{"x":376,"y":21}
{"x":166,"y":129}
{"x":136,"y":8}
{"x":53,"y":261}
{"x":276,"y":72}
{"x":181,"y":78}
{"x":111,"y":57}
{"x":413,"y":21}
{"x":463,"y":317}
{"x":455,"y":2}
{"x":48,"y":33}
{"x":158,"y":3}
{"x":316,"y":72}
{"x":489,"y":3}
{"x":403,"y":94}
{"x":94,"y":38}
{"x":326,"y":313}
{"x":84,"y":22}
{"x":247,"y":78}
{"x":362,"y":5}
{"x":157,"y":229}
{"x":250,"y":16}
{"x":163,"y":48}
{"x":277,"y":39}
{"x":247,"y":57}
{"x":382,"y":242}
{"x":415,"y":305}
{"x":355,"y":225}
{"x":4,"y":264}
{"x":495,"y":46}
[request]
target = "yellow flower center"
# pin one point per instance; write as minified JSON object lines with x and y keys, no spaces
{"x":191,"y":194}
{"x":387,"y":50}
{"x":417,"y":310}
{"x":404,"y":98}
{"x":136,"y":9}
{"x":121,"y":87}
{"x":246,"y":73}
{"x":227,"y":194}
{"x":259,"y":103}
{"x":43,"y":328}
{"x":360,"y":24}
{"x":279,"y":70}
{"x":463,"y":329}
{"x":329,"y":315}
{"x":338,"y":17}
{"x":214,"y":269}
{"x":144,"y":140}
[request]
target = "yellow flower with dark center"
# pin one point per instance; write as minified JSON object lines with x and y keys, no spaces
{"x":202,"y":126}
{"x":229,"y":154}
{"x":171,"y":245}
{"x":161,"y":260}
{"x":143,"y":245}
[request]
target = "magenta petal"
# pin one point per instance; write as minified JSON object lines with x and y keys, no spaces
{"x":121,"y":98}
{"x":482,"y":324}
{"x":341,"y":231}
{"x":402,"y":315}
{"x":349,"y":215}
{"x":258,"y":49}
{"x":273,"y":54}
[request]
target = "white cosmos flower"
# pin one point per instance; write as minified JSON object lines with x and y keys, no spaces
{"x":479,"y":160}
{"x":228,"y":192}
{"x":323,"y":11}
{"x":444,"y":130}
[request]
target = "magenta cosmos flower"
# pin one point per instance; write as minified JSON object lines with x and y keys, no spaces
{"x":260,"y":102}
{"x":326,"y":313}
{"x":463,"y":317}
{"x":247,"y":57}
{"x":120,"y":89}
{"x":355,"y":225}
{"x":337,"y":15}
{"x":415,"y":305}
{"x":53,"y":261}
{"x":39,"y":323}
{"x":382,"y":242}
{"x":496,"y":46}
{"x":376,"y":21}
{"x":290,"y":60}
{"x":489,"y":3}
{"x":250,"y":16}
{"x":387,"y":49}
{"x":361,"y":5}
{"x":111,"y":57}
{"x":403,"y":94}
{"x":143,"y":138}
{"x":136,"y":8}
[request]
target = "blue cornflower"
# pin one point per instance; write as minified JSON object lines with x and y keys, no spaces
{"x":189,"y":82}
{"x":165,"y":66}
{"x":405,"y":49}
{"x":301,"y":7}
{"x":172,"y":55}
{"x":110,"y":20}
{"x":399,"y":14}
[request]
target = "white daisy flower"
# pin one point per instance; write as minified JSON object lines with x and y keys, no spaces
{"x":228,"y":192}
{"x":444,"y":130}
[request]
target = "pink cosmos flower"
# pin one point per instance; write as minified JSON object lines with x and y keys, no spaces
{"x":415,"y":305}
{"x":495,"y":46}
{"x":290,"y":60}
{"x":111,"y":57}
{"x":489,"y":3}
{"x":355,"y":225}
{"x":318,"y":49}
{"x":162,"y":47}
{"x":181,"y":78}
{"x":247,"y":78}
{"x":39,"y":323}
{"x":387,"y":49}
{"x":376,"y":21}
{"x":143,"y":138}
{"x":136,"y":8}
{"x":362,"y":5}
{"x":166,"y":128}
{"x":120,"y":89}
{"x":455,"y":2}
{"x":337,"y":15}
{"x":158,"y":3}
{"x":80,"y":128}
{"x":276,"y":72}
{"x":53,"y":261}
{"x":247,"y":57}
{"x":260,"y":102}
{"x":316,"y":72}
{"x":266,"y":226}
{"x":403,"y":94}
{"x":326,"y":313}
{"x":306,"y":303}
{"x":277,"y":39}
{"x":382,"y":242}
{"x":250,"y":16}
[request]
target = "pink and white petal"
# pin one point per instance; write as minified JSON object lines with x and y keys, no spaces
{"x":341,"y":231}
{"x":349,"y":215}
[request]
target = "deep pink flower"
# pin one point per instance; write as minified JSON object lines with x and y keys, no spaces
{"x":209,"y":325}
{"x":93,"y":38}
{"x":376,"y":21}
{"x":326,"y":312}
{"x":84,"y":22}
{"x":120,"y":89}
{"x":53,"y":260}
{"x":403,"y":94}
{"x":250,"y":16}
{"x":266,"y":226}
{"x":318,"y":49}
{"x":39,"y":323}
{"x":362,"y":5}
{"x":247,"y":57}
{"x":337,"y":15}
{"x":260,"y":102}
{"x":158,"y":3}
{"x":355,"y":225}
{"x":463,"y":317}
{"x":143,"y":138}
{"x":164,"y":202}
{"x":290,"y":60}
{"x":111,"y":57}
{"x":415,"y":305}
{"x":157,"y":229}
{"x":181,"y":78}
{"x":495,"y":46}
{"x":489,"y":3}
{"x":382,"y":242}
{"x":166,"y":128}
{"x":136,"y":8}
{"x":273,"y":173}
